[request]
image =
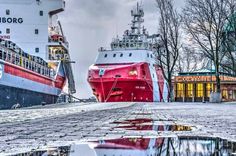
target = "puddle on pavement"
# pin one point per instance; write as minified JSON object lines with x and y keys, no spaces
{"x":185,"y":146}
{"x":148,"y":125}
{"x":144,"y":146}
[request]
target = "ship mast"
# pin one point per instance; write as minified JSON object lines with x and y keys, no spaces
{"x":137,"y":37}
{"x":137,"y":21}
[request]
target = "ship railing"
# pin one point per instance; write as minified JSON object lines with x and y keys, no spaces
{"x":16,"y":59}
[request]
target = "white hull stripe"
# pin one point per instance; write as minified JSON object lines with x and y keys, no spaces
{"x":156,"y":91}
{"x":18,"y":82}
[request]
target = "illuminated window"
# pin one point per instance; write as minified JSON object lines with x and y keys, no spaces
{"x":189,"y":90}
{"x":225,"y":94}
{"x":199,"y":90}
{"x":209,"y":89}
{"x":180,"y":90}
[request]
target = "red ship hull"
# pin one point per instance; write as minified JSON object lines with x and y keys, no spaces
{"x":124,"y":83}
{"x":126,"y":90}
{"x":27,"y":88}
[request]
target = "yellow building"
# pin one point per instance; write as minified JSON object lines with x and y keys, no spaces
{"x":197,"y":86}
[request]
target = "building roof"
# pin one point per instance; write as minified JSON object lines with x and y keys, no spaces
{"x":203,"y":71}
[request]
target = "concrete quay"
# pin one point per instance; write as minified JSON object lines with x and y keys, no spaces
{"x":26,"y":129}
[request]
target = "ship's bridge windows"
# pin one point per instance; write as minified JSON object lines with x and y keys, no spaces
{"x":7,"y":12}
{"x":8,"y":31}
{"x":41,"y":13}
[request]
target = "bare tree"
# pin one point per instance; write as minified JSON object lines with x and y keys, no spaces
{"x":168,"y":51}
{"x":205,"y":21}
{"x":229,"y":41}
{"x":189,"y":59}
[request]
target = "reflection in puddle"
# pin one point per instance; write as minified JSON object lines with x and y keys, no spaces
{"x":189,"y":146}
{"x":143,"y":146}
{"x":148,"y":125}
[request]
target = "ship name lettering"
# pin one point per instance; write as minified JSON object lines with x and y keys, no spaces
{"x":11,"y":20}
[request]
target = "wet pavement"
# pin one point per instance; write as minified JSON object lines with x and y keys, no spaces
{"x":149,"y":129}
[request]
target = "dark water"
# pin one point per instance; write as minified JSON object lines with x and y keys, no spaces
{"x":144,"y":146}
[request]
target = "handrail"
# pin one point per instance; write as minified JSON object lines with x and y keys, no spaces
{"x":11,"y":56}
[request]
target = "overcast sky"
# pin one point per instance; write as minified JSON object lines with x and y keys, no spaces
{"x":90,"y":24}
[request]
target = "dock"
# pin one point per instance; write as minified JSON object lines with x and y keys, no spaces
{"x":34,"y":128}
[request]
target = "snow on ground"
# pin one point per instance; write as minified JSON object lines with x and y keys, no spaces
{"x":39,"y":112}
{"x":26,"y":129}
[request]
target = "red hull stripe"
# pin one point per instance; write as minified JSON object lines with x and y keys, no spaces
{"x":59,"y":83}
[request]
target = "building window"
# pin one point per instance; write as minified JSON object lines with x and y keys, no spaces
{"x":225,"y":94}
{"x":189,"y":92}
{"x":105,"y":55}
{"x":36,"y":31}
{"x":7,"y":12}
{"x":37,"y":50}
{"x":8,"y":31}
{"x":209,"y":89}
{"x":0,"y":32}
{"x":41,"y":13}
{"x":130,"y":54}
{"x":121,"y":55}
{"x":114,"y":55}
{"x":148,"y":55}
{"x":199,"y":90}
{"x":180,"y":90}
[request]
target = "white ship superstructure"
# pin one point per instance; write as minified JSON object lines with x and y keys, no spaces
{"x":31,"y":24}
{"x":34,"y":55}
